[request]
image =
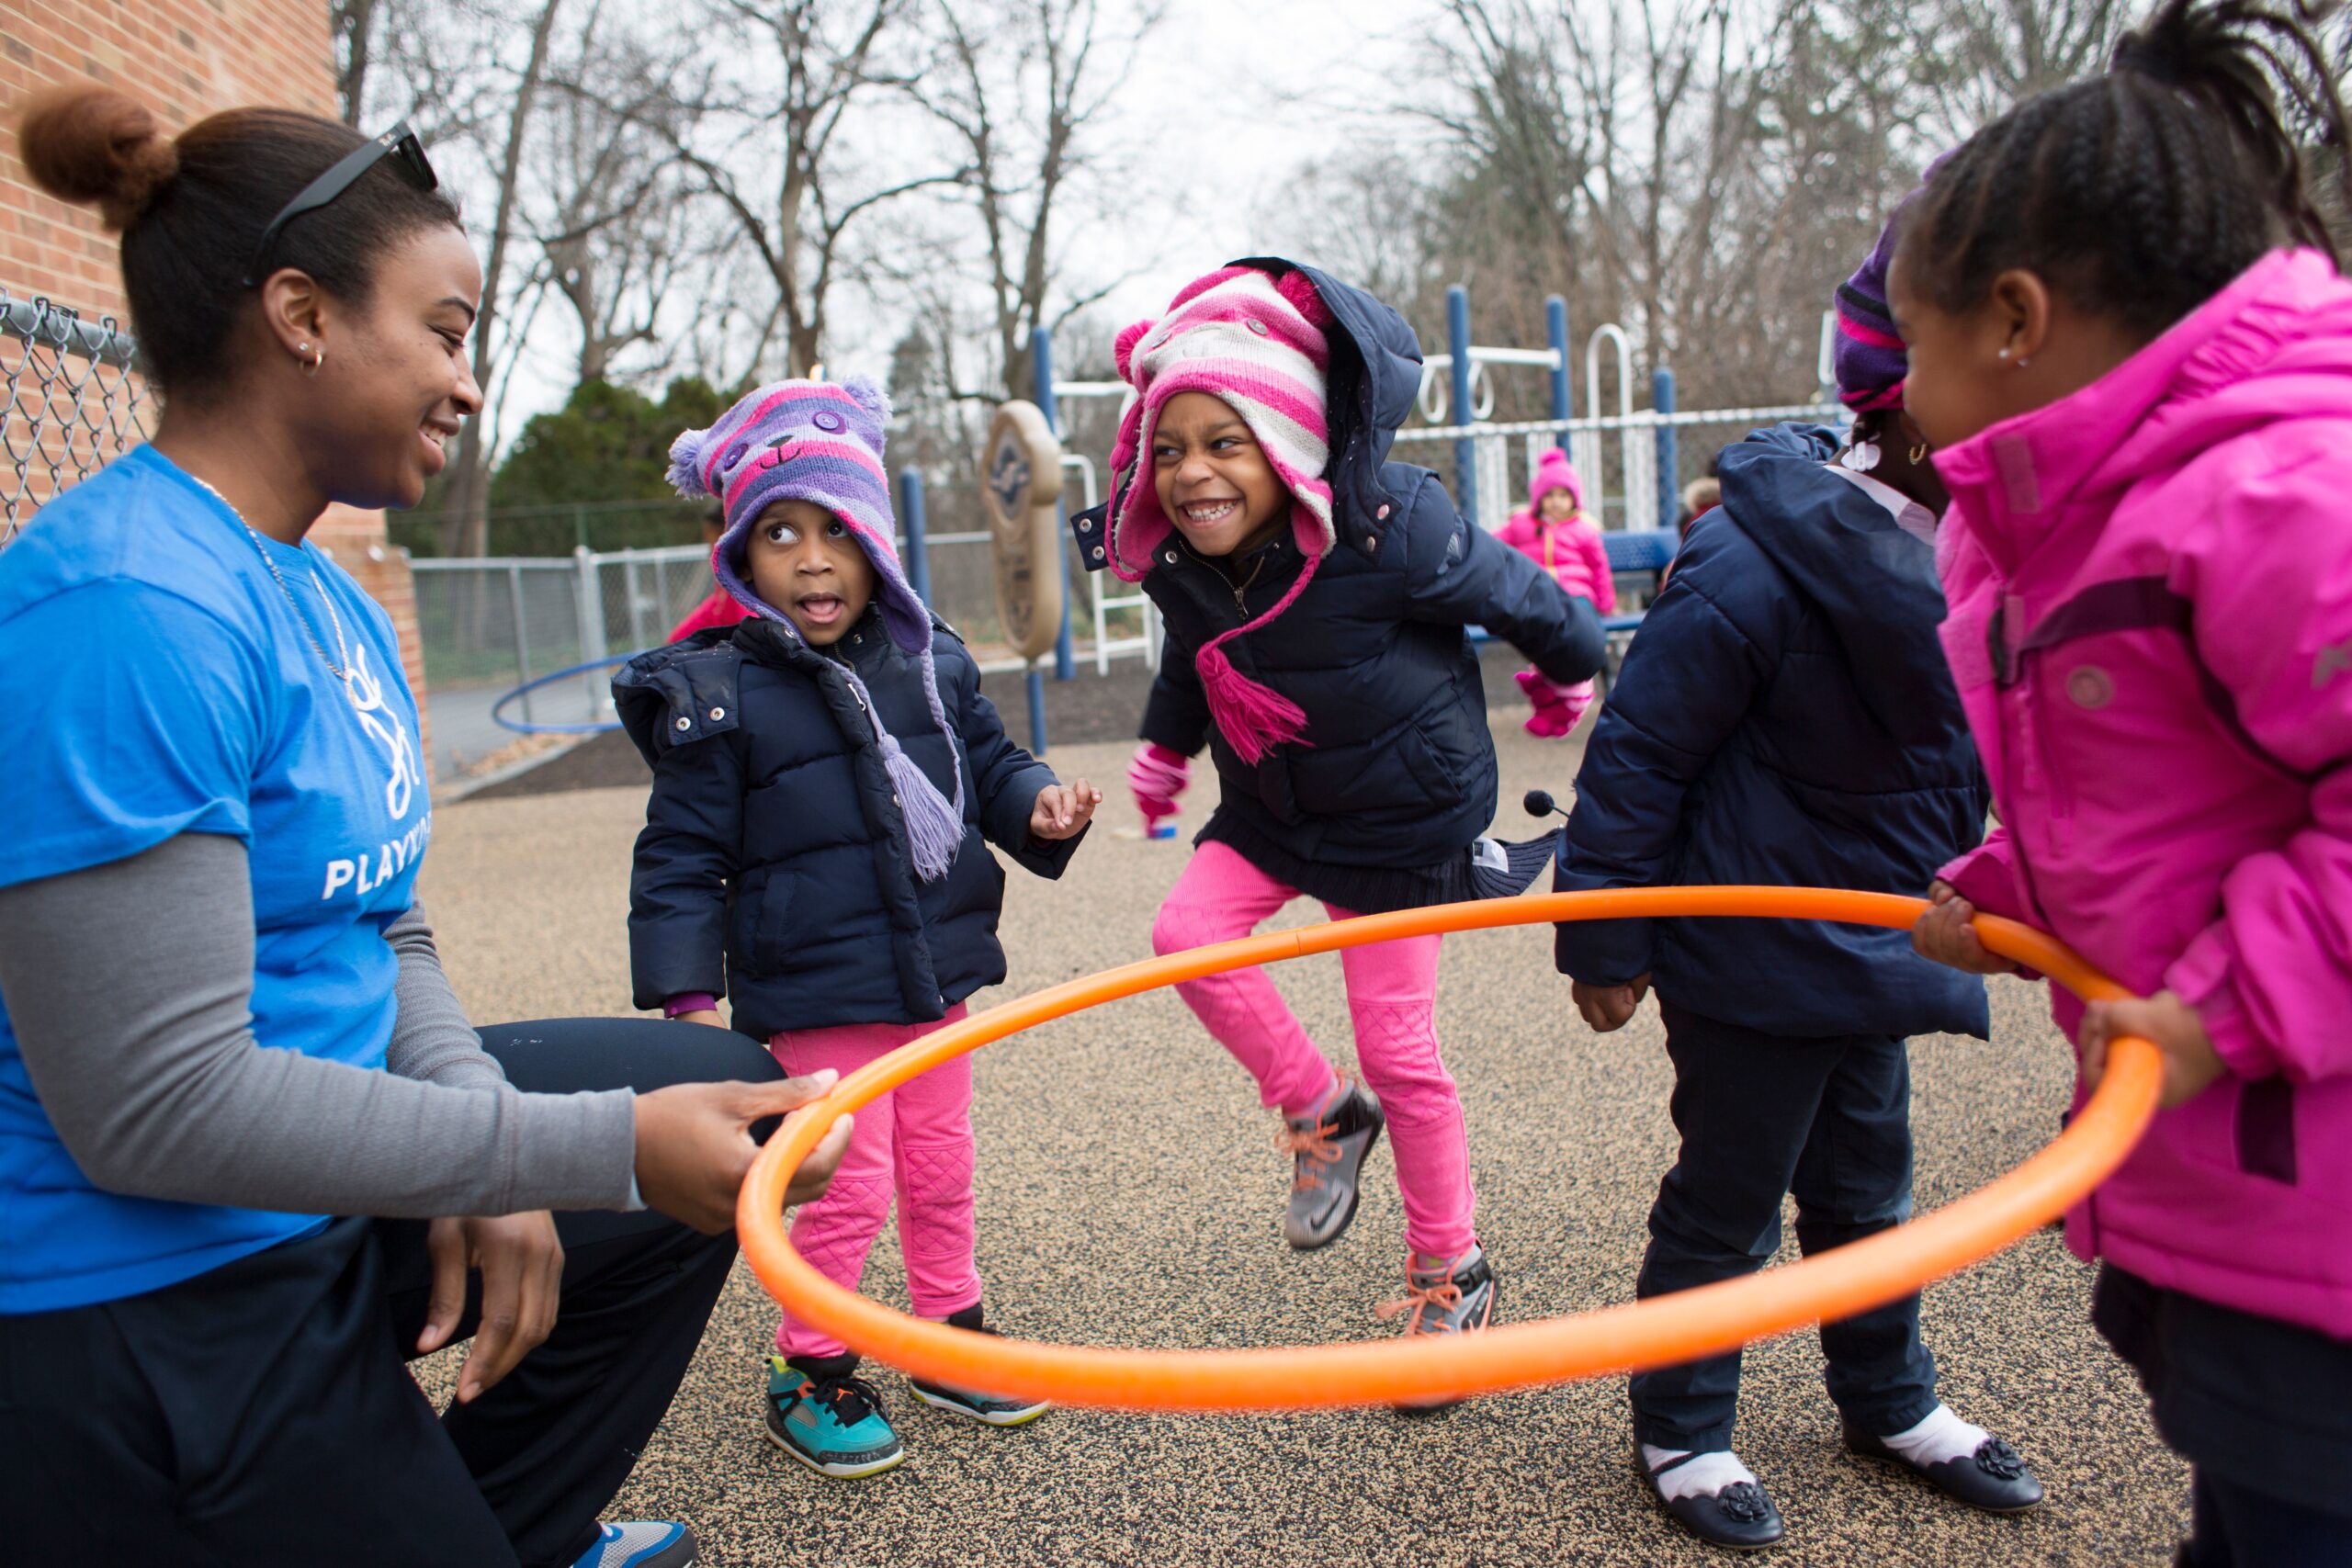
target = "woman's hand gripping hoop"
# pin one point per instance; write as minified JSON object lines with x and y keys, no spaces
{"x":1655,"y":1333}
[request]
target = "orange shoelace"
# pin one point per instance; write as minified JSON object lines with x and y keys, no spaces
{"x":1315,"y":1145}
{"x":1420,"y":1297}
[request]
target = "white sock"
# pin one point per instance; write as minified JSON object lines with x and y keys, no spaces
{"x":1702,"y":1477}
{"x":1942,"y":1435}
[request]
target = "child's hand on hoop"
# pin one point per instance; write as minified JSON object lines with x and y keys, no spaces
{"x":1944,"y":934}
{"x":2191,"y":1065}
{"x":1606,"y":1008}
{"x":1063,"y":810}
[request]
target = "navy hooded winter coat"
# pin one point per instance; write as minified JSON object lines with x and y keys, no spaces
{"x":1784,"y":716}
{"x":774,"y":866}
{"x":1396,"y":767}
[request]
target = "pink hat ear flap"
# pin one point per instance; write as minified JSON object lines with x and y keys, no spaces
{"x":685,"y":465}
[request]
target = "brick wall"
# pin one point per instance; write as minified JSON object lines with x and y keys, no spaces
{"x":185,"y":59}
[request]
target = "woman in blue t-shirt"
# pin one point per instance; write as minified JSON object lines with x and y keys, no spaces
{"x":252,"y":1156}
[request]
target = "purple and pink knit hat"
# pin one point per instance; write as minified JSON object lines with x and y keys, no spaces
{"x":821,"y":442}
{"x":1554,"y":472}
{"x":1869,"y":355}
{"x":1256,"y":343}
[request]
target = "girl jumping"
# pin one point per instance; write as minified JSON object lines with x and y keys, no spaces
{"x":2132,"y":347}
{"x":1315,"y":596}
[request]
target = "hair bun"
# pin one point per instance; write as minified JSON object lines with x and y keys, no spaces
{"x":93,"y":144}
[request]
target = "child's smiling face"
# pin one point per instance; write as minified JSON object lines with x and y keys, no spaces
{"x":803,"y":560}
{"x":1212,"y":476}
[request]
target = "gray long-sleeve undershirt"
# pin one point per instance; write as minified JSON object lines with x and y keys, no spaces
{"x":130,"y":986}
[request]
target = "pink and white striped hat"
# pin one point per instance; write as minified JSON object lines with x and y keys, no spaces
{"x":1256,"y":344}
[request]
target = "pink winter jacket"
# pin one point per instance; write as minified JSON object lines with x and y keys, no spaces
{"x":1570,"y":551}
{"x":2150,"y":586}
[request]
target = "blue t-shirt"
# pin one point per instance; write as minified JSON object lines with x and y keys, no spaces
{"x":157,"y":680}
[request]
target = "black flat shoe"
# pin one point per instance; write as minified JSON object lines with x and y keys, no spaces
{"x":1993,"y":1478}
{"x":1740,"y":1518}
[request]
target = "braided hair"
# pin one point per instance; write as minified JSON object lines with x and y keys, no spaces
{"x":2141,"y":193}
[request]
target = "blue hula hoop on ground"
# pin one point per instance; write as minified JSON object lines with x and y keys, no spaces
{"x":528,"y":727}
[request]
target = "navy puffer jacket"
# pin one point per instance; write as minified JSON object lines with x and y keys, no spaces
{"x":1397,"y":766}
{"x":1784,"y":716}
{"x":774,"y":867}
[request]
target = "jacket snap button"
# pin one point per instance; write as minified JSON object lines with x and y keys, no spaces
{"x":685,"y":723}
{"x":719,"y":713}
{"x":2090,"y":686}
{"x":1382,"y":513}
{"x":895,"y":800}
{"x":1170,"y":557}
{"x":1098,"y":552}
{"x":1371,"y":545}
{"x":1084,"y":526}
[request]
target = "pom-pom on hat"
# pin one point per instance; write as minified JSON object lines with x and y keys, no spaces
{"x":1256,"y":343}
{"x":1554,"y":472}
{"x":821,"y":442}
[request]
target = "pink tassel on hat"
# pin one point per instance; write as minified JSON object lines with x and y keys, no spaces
{"x":1253,"y":717}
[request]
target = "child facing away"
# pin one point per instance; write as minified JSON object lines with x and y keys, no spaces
{"x":824,"y":775}
{"x":2132,"y":344}
{"x":1315,"y":596}
{"x":1553,"y":531}
{"x":1785,"y":717}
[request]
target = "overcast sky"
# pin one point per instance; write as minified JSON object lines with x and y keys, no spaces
{"x":1228,"y":100}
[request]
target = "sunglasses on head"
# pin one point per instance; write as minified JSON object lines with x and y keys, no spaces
{"x":400,"y":144}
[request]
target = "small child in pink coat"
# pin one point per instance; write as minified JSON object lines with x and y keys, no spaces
{"x":1553,"y":531}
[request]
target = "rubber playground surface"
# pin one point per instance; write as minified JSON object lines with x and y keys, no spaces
{"x":1129,"y":1193}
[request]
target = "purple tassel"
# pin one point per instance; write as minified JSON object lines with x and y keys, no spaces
{"x":934,"y":830}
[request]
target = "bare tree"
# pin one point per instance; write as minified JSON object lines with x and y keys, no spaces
{"x":1979,"y":57}
{"x":804,"y":73}
{"x":1019,"y":85}
{"x":464,"y":525}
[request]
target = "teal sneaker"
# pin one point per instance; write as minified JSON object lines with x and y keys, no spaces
{"x":989,"y":1409}
{"x":830,"y":1420}
{"x":640,"y":1543}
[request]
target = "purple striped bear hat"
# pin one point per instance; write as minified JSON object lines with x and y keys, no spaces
{"x":821,"y":442}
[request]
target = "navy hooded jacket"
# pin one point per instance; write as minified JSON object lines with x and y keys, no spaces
{"x":1784,"y":716}
{"x":774,"y":867}
{"x":1395,"y":768}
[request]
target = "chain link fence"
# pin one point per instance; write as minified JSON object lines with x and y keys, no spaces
{"x":75,"y":401}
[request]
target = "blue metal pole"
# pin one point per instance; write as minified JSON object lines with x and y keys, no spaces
{"x":1041,"y":368}
{"x":1036,"y":712}
{"x":1465,"y":450}
{"x":1555,"y":328}
{"x":910,"y":518}
{"x":1669,"y":477}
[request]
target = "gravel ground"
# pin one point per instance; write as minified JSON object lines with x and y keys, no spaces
{"x":1129,"y":1194}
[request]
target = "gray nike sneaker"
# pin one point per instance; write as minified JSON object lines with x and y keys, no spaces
{"x":1327,"y":1153}
{"x":1444,"y":1295}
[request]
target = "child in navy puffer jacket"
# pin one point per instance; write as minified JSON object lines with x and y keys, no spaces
{"x":1315,"y":596}
{"x":824,"y":775}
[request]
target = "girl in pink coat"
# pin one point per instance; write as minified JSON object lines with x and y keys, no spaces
{"x":1553,"y":531}
{"x":2131,"y":350}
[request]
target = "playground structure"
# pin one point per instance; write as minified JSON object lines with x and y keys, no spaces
{"x":1662,"y":1331}
{"x":559,"y":626}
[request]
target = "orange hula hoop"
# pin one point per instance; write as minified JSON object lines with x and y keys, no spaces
{"x":1660,"y":1332}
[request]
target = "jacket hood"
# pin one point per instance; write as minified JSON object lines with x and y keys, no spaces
{"x":1373,"y":377}
{"x":1855,"y":565}
{"x":2275,"y":344}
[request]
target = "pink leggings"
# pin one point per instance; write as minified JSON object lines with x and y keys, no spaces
{"x":1392,"y":990}
{"x":916,"y":1139}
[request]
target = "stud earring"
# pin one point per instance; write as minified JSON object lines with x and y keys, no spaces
{"x":2005,"y":354}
